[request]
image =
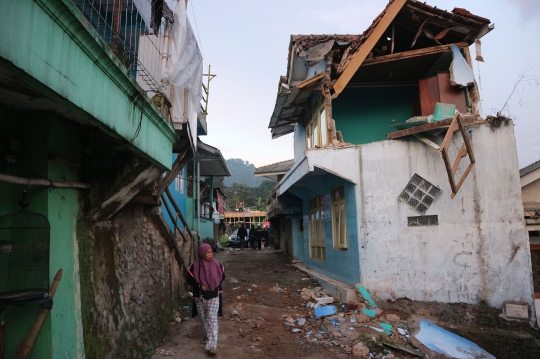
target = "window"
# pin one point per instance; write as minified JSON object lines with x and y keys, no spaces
{"x":316,"y":129}
{"x":190,"y":183}
{"x":339,"y":223}
{"x":316,"y":229}
{"x":181,"y":185}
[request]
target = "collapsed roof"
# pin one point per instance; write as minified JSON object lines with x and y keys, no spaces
{"x":382,"y":54}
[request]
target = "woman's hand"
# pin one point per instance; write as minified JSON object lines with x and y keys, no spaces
{"x":204,"y":288}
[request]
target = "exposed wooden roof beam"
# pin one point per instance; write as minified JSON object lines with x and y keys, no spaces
{"x":367,"y":46}
{"x":412,"y":53}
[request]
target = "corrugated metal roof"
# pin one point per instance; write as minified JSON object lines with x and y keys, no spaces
{"x":211,"y":161}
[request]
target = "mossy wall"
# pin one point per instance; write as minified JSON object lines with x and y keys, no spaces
{"x":130,"y":285}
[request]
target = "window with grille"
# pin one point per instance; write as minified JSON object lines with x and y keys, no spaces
{"x":339,"y":223}
{"x":316,"y":229}
{"x":420,"y":221}
{"x":419,"y":193}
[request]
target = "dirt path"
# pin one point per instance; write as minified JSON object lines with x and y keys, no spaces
{"x":263,"y":291}
{"x":252,"y":325}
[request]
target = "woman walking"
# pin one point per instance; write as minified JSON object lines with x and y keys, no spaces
{"x":206,"y":276}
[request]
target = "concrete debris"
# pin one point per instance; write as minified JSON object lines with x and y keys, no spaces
{"x":402,"y":331}
{"x":360,"y":350}
{"x":392,"y":318}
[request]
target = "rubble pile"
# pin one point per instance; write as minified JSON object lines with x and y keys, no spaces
{"x":358,"y":328}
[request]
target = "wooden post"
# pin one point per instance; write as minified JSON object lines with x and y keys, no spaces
{"x":117,"y":17}
{"x":28,"y":345}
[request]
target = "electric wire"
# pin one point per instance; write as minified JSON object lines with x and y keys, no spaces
{"x":197,"y":28}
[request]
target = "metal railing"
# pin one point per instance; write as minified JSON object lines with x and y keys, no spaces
{"x":125,"y":25}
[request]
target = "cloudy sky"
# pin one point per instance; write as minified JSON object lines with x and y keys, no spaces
{"x":246,"y":43}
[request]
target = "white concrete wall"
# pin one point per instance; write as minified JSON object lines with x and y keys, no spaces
{"x":479,"y":250}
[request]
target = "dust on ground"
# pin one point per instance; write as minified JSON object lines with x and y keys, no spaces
{"x":266,"y":315}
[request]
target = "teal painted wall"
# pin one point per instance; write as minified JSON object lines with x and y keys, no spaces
{"x":207,"y":229}
{"x":70,"y":62}
{"x":61,"y":333}
{"x":364,"y":114}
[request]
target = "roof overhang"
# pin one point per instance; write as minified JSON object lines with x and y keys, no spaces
{"x":211,"y":161}
{"x":274,"y":171}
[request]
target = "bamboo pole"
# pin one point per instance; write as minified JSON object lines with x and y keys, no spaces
{"x":28,"y":345}
{"x":41,"y":182}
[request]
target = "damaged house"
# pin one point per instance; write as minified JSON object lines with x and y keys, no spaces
{"x":397,"y":181}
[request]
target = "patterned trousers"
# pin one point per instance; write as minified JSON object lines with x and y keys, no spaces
{"x":208,"y":310}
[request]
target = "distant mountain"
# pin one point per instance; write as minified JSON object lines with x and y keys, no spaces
{"x":242,"y":172}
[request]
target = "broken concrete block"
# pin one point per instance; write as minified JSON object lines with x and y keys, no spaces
{"x":325,"y":311}
{"x":324,"y":300}
{"x":362,"y":318}
{"x":360,"y":350}
{"x":392,"y":318}
{"x":516,"y":310}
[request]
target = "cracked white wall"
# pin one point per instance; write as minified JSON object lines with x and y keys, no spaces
{"x":479,"y":250}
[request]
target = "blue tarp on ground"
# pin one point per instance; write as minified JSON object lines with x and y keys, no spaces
{"x":448,"y":343}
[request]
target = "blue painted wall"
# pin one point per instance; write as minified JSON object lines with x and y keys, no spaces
{"x":364,"y":114}
{"x":340,"y":264}
{"x":179,"y":198}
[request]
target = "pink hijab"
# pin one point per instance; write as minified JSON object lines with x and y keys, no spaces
{"x":207,"y":273}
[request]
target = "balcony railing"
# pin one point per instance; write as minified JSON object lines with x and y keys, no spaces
{"x":125,"y":25}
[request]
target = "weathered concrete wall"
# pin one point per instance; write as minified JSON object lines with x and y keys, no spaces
{"x":130,"y":284}
{"x":479,"y":250}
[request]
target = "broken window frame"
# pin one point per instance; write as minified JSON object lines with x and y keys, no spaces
{"x":339,"y":219}
{"x":465,"y":150}
{"x":316,"y":128}
{"x":316,"y":229}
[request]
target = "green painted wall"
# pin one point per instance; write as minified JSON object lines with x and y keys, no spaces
{"x":40,"y":135}
{"x":58,"y":48}
{"x":364,"y":114}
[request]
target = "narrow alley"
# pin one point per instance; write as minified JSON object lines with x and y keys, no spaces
{"x":266,"y":315}
{"x":254,"y":310}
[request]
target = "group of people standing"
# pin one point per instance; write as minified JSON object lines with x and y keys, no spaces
{"x":256,"y":236}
